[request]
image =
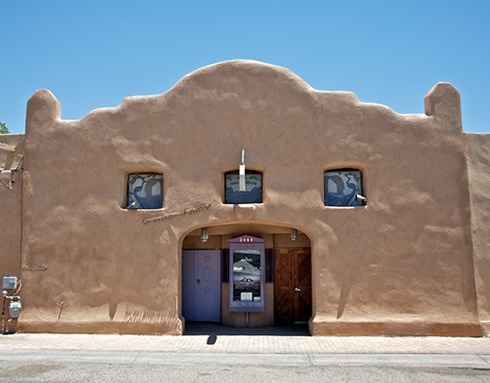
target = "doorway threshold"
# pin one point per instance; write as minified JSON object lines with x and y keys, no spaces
{"x":213,"y":328}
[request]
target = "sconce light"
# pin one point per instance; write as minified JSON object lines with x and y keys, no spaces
{"x":360,"y":197}
{"x":294,"y":234}
{"x":204,"y":234}
{"x":241,"y":173}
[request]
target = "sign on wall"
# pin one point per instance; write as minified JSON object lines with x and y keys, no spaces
{"x":247,"y":276}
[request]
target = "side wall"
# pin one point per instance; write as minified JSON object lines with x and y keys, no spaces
{"x":10,"y":233}
{"x":10,"y":204}
{"x":479,"y":176}
{"x":11,"y":151}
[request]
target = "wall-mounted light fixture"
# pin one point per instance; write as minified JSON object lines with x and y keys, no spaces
{"x":241,"y":173}
{"x":294,"y":234}
{"x":360,"y":197}
{"x":133,"y":206}
{"x":204,"y":234}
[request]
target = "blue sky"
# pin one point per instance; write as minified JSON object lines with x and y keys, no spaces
{"x":93,"y":53}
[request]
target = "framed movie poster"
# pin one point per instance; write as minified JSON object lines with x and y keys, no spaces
{"x":247,"y":275}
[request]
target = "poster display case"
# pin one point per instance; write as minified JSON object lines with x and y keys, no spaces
{"x":247,"y":276}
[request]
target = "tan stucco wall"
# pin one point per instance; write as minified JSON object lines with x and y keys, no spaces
{"x":479,"y":172}
{"x":11,"y":152}
{"x":11,"y":229}
{"x":400,"y":265}
{"x":10,"y":211}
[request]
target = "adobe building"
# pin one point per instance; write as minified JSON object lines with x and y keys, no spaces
{"x":244,"y":196}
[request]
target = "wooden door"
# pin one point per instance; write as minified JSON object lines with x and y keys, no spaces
{"x":292,"y":285}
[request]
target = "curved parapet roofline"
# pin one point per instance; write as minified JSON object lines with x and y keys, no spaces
{"x":442,"y":101}
{"x":254,"y":67}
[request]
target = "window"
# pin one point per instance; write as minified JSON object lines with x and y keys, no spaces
{"x":145,"y":191}
{"x":343,"y":187}
{"x":253,"y":188}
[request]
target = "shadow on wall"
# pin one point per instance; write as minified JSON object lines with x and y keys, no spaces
{"x":345,"y":288}
{"x":112,"y":309}
{"x":139,"y":315}
{"x":146,"y":316}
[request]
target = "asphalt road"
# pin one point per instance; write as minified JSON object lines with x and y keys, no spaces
{"x":154,"y":366}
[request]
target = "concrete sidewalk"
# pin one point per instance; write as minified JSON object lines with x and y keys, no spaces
{"x":247,"y":344}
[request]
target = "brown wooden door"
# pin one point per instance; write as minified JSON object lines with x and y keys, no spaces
{"x":292,"y":285}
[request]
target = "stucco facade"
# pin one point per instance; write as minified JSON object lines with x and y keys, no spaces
{"x":400,"y":263}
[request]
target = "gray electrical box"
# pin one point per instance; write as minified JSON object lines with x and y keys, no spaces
{"x":15,"y":307}
{"x":9,"y":282}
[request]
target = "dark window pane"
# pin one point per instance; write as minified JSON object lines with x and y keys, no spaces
{"x":225,"y":265}
{"x":342,"y":186}
{"x":253,"y":192}
{"x":269,"y":265}
{"x":145,"y":191}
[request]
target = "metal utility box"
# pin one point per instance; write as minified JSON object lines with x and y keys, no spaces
{"x":15,"y":307}
{"x":9,"y":282}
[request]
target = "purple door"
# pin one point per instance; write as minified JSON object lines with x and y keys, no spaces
{"x":201,"y":285}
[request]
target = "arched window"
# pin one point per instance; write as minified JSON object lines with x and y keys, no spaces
{"x":343,"y":187}
{"x":253,"y":187}
{"x":145,"y":191}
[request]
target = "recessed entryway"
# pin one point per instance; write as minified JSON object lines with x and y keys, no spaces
{"x":214,"y":289}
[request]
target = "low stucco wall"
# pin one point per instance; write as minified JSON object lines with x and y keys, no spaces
{"x":402,"y":265}
{"x":479,"y":172}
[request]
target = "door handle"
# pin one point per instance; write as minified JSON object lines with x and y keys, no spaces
{"x":297,"y":289}
{"x":198,"y":281}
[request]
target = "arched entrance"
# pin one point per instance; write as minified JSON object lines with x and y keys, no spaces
{"x":208,"y":264}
